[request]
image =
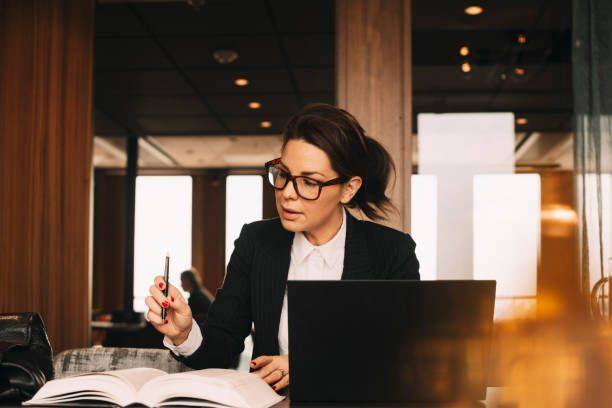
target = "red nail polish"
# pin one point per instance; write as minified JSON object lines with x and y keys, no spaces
{"x":274,"y":387}
{"x":161,"y":285}
{"x":253,"y":363}
{"x":172,"y":298}
{"x":165,"y":303}
{"x":166,"y":322}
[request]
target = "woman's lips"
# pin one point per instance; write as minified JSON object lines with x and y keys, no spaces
{"x":289,"y":214}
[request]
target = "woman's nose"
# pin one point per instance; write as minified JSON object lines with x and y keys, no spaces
{"x":289,"y":191}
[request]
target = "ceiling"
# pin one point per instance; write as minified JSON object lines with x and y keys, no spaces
{"x":155,"y":75}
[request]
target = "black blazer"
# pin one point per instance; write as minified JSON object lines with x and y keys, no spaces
{"x":256,"y":277}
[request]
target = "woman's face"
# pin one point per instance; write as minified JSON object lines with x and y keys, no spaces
{"x":300,"y":158}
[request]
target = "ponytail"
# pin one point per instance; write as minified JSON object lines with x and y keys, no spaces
{"x":372,"y":197}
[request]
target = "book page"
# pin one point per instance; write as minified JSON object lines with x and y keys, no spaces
{"x":137,"y":377}
{"x":228,"y":387}
{"x":119,"y":387}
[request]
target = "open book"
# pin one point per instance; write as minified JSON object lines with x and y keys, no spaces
{"x":155,"y":388}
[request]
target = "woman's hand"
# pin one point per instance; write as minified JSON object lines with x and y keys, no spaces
{"x":273,"y":369}
{"x":177,"y":324}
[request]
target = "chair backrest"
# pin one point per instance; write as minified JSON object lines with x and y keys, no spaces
{"x":82,"y":360}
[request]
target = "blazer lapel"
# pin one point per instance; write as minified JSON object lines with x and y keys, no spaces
{"x":357,"y":261}
{"x":280,"y":257}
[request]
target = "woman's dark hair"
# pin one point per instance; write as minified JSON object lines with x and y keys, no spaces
{"x":351,"y":152}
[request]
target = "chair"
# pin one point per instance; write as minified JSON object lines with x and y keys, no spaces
{"x":81,"y":360}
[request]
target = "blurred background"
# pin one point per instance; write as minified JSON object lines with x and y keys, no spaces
{"x":203,"y":90}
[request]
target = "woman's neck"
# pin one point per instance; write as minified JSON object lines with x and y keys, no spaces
{"x":327,"y":231}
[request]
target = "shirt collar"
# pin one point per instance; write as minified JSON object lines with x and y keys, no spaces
{"x":331,"y":251}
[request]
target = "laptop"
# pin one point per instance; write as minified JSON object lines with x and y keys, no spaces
{"x":389,"y":341}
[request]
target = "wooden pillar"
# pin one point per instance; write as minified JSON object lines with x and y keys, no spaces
{"x":208,"y":234}
{"x":45,"y":163}
{"x":374,"y":81}
{"x":109,"y":241}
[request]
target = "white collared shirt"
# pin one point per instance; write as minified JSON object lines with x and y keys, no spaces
{"x":308,"y":262}
{"x":311,"y":262}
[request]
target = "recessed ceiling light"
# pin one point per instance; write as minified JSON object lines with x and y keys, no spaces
{"x":464,"y":51}
{"x":241,"y":82}
{"x":521,"y":121}
{"x":265,"y":124}
{"x":519,"y":71}
{"x":225,"y":56}
{"x":503,"y":77}
{"x":466,"y":67}
{"x":521,"y":39}
{"x":473,"y":10}
{"x":254,"y":105}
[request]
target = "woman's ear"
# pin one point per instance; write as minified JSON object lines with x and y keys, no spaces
{"x":349,"y":189}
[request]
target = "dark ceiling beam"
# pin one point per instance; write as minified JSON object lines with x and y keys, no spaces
{"x":207,"y":35}
{"x":245,"y":94}
{"x":213,"y":68}
{"x":284,"y":54}
{"x":179,"y":69}
{"x":457,"y":108}
{"x":132,"y":128}
{"x":485,"y":92}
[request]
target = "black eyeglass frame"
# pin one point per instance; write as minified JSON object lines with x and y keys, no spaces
{"x":290,"y":177}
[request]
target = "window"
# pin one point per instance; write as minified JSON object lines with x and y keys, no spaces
{"x":163,"y":224}
{"x":244,"y":204}
{"x":472,"y":216}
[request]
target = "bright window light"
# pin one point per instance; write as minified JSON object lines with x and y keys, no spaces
{"x":507,"y":238}
{"x":163,"y":224}
{"x":424,"y":223}
{"x":244,"y":204}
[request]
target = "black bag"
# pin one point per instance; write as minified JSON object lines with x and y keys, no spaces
{"x":26,"y":359}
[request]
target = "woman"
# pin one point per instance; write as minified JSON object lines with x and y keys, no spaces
{"x":327,"y":163}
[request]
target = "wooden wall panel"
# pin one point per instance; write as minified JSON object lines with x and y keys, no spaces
{"x":374,"y":82}
{"x":208,"y":233}
{"x":109,"y":241}
{"x":45,"y":163}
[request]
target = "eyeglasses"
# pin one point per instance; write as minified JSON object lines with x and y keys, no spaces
{"x":305,"y":187}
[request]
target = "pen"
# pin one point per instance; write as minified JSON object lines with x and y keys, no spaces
{"x":166,"y":278}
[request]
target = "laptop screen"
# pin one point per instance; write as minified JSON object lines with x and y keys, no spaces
{"x":391,"y":341}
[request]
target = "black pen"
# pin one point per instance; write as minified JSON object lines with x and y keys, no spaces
{"x":166,"y":278}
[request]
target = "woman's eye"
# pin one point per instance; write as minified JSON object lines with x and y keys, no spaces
{"x":310,"y":183}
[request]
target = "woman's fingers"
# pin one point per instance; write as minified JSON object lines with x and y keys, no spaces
{"x":268,"y":371}
{"x":158,"y":296}
{"x":261,"y":361}
{"x":282,"y":383}
{"x":153,"y":305}
{"x":274,"y":376}
{"x":175,"y":299}
{"x":272,"y":369}
{"x":154,"y":318}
